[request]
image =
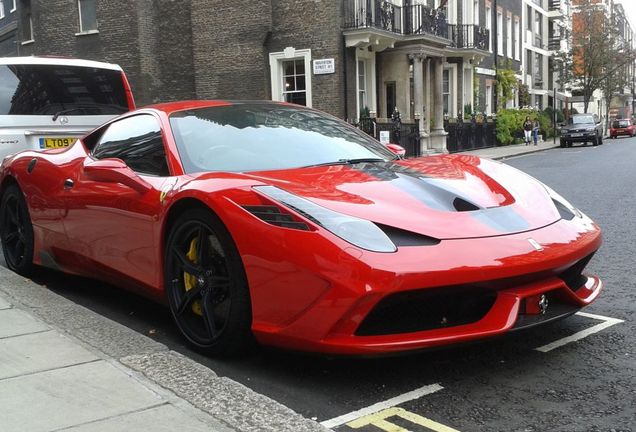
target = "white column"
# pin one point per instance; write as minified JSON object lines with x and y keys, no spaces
{"x":437,"y":138}
{"x":438,"y":94}
{"x":418,"y":87}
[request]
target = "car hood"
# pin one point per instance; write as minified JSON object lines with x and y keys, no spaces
{"x":446,"y":197}
{"x":578,"y":126}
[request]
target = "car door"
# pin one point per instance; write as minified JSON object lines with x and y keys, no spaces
{"x":113,"y":209}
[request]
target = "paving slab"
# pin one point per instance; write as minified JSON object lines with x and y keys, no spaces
{"x":164,"y":418}
{"x":66,"y":397}
{"x":14,"y":322}
{"x":38,"y":352}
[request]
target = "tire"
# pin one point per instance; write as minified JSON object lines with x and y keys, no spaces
{"x":563,"y":143}
{"x":600,"y":140}
{"x":216,"y":316}
{"x":16,"y":231}
{"x":595,"y":142}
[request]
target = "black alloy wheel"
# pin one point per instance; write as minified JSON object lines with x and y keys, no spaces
{"x":206,"y":285}
{"x":16,"y":231}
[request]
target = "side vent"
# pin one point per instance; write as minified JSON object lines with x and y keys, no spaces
{"x":402,"y":238}
{"x":461,"y":205}
{"x":563,"y":210}
{"x":273,"y":216}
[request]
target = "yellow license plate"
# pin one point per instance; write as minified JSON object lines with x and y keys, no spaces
{"x":52,"y":143}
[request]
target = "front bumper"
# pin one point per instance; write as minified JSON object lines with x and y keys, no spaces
{"x":510,"y":266}
{"x":585,"y":137}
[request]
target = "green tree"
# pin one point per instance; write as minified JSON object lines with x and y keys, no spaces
{"x":596,"y":53}
{"x":506,"y":84}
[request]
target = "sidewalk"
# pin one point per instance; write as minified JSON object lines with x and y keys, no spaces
{"x":66,"y":368}
{"x":504,"y":152}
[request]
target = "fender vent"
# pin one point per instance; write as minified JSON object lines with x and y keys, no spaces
{"x":564,"y":212}
{"x":461,"y":205}
{"x":401,"y":237}
{"x":274,"y":216}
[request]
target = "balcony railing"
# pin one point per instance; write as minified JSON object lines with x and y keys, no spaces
{"x":554,"y":5}
{"x":405,"y":20}
{"x":554,"y":43}
{"x":469,"y":36}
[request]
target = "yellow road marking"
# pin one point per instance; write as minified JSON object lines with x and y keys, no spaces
{"x":380,"y":421}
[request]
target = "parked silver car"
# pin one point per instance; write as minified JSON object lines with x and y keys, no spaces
{"x":48,"y":103}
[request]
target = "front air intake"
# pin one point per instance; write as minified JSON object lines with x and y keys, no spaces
{"x":274,"y":216}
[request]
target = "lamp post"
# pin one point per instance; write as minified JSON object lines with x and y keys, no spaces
{"x":495,"y":45}
{"x":554,"y":114}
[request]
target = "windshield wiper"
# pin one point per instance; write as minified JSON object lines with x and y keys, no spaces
{"x":88,"y":107}
{"x":346,"y":162}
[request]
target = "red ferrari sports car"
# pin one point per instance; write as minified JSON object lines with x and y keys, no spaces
{"x":280,"y":223}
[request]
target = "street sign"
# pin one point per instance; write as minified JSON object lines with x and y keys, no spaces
{"x":324,"y":66}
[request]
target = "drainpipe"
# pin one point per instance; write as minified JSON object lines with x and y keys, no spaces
{"x":344,"y":71}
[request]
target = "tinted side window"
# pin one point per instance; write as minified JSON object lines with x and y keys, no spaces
{"x":137,"y":141}
{"x":48,"y":89}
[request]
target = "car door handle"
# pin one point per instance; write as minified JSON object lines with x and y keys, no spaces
{"x":68,"y":183}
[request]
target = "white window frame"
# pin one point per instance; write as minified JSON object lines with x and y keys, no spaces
{"x":489,"y":26}
{"x":362,"y":84}
{"x":517,"y":44}
{"x":81,"y":24}
{"x":476,"y":12}
{"x":509,"y":36}
{"x":31,"y":35}
{"x":1,"y":9}
{"x":452,"y":89}
{"x":15,"y":6}
{"x":370,"y":80}
{"x":500,"y":46}
{"x":488,"y":102}
{"x":276,"y":60}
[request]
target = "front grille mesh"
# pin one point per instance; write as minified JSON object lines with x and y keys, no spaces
{"x":427,"y":309}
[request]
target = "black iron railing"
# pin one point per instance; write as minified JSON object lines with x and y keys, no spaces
{"x":469,"y":36}
{"x":470,"y":135}
{"x":554,"y":43}
{"x":405,"y":20}
{"x":405,"y":133}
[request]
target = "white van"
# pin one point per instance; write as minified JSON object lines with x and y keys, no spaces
{"x":48,"y":103}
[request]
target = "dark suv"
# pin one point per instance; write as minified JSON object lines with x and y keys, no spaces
{"x":582,"y":128}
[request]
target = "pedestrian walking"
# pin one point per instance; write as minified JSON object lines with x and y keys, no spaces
{"x":527,"y":130}
{"x":535,"y":131}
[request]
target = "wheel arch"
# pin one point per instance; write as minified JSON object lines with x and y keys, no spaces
{"x":6,"y":182}
{"x":175,"y":211}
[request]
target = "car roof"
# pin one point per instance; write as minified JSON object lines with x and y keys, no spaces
{"x":58,"y":61}
{"x":172,"y":107}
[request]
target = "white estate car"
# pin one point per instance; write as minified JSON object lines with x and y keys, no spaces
{"x":50,"y":102}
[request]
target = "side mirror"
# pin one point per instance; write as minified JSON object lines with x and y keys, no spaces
{"x":113,"y":170}
{"x":397,"y":149}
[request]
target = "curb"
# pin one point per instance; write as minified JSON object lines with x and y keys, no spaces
{"x":229,"y":404}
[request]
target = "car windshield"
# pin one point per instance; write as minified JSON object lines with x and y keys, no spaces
{"x":586,"y":119}
{"x":68,"y":90}
{"x":620,"y":124}
{"x":263,"y":136}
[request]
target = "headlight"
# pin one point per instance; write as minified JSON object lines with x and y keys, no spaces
{"x":558,"y":199}
{"x":359,"y":232}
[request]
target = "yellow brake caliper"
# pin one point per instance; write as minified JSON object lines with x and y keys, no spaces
{"x":190,"y":281}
